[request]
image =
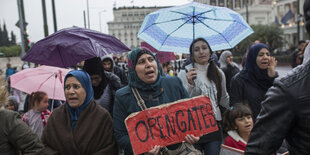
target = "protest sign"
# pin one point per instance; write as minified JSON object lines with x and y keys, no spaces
{"x":227,"y":150}
{"x":169,"y":123}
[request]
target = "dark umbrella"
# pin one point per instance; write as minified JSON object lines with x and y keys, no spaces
{"x":71,"y":45}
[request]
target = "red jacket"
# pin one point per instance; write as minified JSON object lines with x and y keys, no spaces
{"x":234,"y":140}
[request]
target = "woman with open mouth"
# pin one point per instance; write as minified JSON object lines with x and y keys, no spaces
{"x":80,"y":126}
{"x":251,"y":84}
{"x":145,"y":79}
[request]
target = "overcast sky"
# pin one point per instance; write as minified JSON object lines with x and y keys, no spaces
{"x":69,"y":13}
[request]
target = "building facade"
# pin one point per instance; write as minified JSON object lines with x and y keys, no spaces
{"x":127,"y":22}
{"x":286,"y":11}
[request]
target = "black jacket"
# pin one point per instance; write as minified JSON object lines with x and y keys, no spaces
{"x":230,"y":71}
{"x":285,"y":114}
{"x":244,"y":91}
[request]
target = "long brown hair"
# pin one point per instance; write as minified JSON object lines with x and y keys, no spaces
{"x":35,"y":97}
{"x":213,"y":73}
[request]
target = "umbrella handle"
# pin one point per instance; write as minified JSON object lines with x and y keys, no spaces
{"x":52,"y":108}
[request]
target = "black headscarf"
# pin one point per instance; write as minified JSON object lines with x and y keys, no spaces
{"x":253,"y":73}
{"x":93,"y":66}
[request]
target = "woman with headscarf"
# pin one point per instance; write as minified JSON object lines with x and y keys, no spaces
{"x":80,"y":126}
{"x":145,"y":76}
{"x":200,"y":77}
{"x":251,"y":84}
{"x":229,"y":67}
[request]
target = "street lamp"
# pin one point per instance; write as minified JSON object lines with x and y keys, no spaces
{"x":100,"y":19}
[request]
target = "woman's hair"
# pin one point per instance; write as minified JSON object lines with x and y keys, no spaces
{"x":236,"y":111}
{"x":213,"y":73}
{"x":35,"y":97}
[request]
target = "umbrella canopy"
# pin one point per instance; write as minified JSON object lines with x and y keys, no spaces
{"x":69,"y":46}
{"x":173,"y":29}
{"x":161,"y":56}
{"x":44,"y":78}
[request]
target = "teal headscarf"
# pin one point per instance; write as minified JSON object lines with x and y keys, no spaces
{"x":84,"y":79}
{"x":133,"y":79}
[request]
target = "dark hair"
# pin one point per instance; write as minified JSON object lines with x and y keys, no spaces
{"x":213,"y":73}
{"x":235,"y":111}
{"x":35,"y":97}
{"x":301,"y":42}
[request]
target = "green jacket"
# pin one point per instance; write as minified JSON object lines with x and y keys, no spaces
{"x":16,"y":136}
{"x":125,"y":103}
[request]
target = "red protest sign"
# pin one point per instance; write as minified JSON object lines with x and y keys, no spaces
{"x":169,"y":124}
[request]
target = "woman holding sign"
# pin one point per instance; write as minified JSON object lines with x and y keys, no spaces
{"x":145,"y":79}
{"x":203,"y":76}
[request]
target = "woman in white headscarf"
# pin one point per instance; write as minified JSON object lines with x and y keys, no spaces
{"x":229,"y":67}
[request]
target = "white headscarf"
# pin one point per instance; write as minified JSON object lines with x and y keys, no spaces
{"x":223,"y":57}
{"x":306,"y":54}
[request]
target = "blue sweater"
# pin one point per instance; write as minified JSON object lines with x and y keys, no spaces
{"x":125,"y":103}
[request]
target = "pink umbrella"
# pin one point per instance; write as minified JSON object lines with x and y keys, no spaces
{"x":161,"y":56}
{"x":44,"y":78}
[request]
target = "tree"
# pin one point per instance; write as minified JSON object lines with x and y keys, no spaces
{"x":13,"y":39}
{"x":6,"y":41}
{"x":268,"y":34}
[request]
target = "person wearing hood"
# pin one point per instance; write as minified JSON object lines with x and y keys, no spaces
{"x":80,"y":126}
{"x":285,"y":113}
{"x":145,"y":78}
{"x":15,"y":136}
{"x":229,"y":67}
{"x":104,"y":83}
{"x":110,"y":66}
{"x":12,"y":104}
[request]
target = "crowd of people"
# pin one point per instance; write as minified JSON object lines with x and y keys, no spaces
{"x":255,"y":111}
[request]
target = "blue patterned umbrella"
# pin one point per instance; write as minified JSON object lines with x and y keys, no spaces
{"x":173,"y":29}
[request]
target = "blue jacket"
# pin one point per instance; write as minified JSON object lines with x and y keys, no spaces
{"x":125,"y":103}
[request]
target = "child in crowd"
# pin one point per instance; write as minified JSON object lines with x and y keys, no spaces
{"x":238,"y":123}
{"x":36,"y":118}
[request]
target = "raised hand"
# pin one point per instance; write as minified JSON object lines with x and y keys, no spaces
{"x":271,"y":71}
{"x":190,"y":75}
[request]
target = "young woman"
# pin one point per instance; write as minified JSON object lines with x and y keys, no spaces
{"x":238,"y":124}
{"x":203,"y":76}
{"x":251,"y":84}
{"x":36,"y":118}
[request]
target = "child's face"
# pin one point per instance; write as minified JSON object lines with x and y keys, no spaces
{"x":244,"y":124}
{"x":43,"y":104}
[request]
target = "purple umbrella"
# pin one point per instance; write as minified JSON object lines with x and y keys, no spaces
{"x":69,"y":46}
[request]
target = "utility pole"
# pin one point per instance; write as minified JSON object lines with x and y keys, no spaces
{"x":54,"y":15}
{"x":298,"y":22}
{"x":84,"y":19}
{"x":100,"y":19}
{"x":44,"y":19}
{"x":21,"y":26}
{"x":247,"y":11}
{"x":88,"y":15}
